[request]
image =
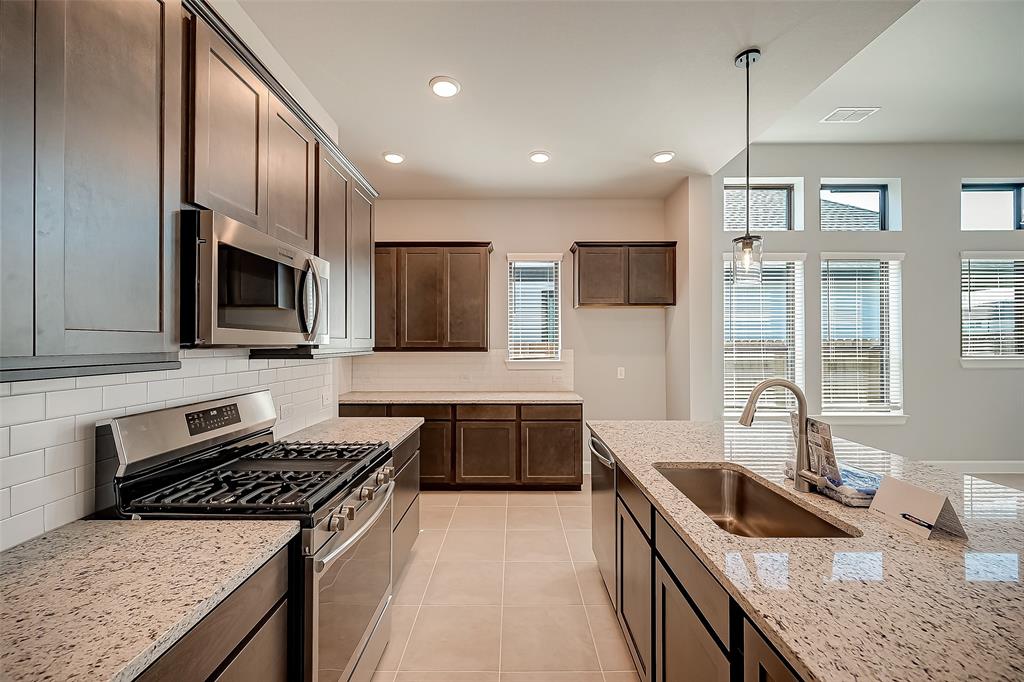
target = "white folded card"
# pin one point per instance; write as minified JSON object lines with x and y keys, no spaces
{"x":919,"y":511}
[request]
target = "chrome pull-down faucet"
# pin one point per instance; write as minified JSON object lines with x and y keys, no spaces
{"x":803,"y":464}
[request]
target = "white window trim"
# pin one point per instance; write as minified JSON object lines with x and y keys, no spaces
{"x":862,"y":255}
{"x":864,"y":418}
{"x":541,"y":257}
{"x":773,"y":256}
{"x":992,"y":363}
{"x":992,"y":255}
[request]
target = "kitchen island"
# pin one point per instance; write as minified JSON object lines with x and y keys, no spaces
{"x":883,"y":605}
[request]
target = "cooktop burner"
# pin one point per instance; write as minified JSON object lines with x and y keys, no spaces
{"x":227,"y":489}
{"x":318,"y":451}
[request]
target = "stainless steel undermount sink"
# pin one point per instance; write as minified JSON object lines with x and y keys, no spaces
{"x":741,"y":505}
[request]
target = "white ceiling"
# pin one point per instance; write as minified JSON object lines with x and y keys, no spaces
{"x":947,"y":71}
{"x":601,"y":85}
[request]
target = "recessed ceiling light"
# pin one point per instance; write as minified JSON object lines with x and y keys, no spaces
{"x":445,"y":86}
{"x":849,"y":115}
{"x":393,"y":157}
{"x":540,"y":156}
{"x":663,"y":157}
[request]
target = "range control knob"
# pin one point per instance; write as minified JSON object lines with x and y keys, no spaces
{"x":335,"y":522}
{"x":349,"y":512}
{"x":366,"y":493}
{"x":384,"y":475}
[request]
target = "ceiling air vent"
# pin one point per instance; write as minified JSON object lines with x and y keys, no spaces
{"x":849,"y":115}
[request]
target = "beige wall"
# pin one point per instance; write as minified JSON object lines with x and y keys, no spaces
{"x":603,"y":339}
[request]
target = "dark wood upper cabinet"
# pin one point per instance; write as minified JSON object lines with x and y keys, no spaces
{"x":332,"y":244}
{"x":652,"y":275}
{"x":230,"y":132}
{"x":624,"y":273}
{"x":291,"y":177}
{"x":551,"y":451}
{"x":441,"y":298}
{"x":361,"y":267}
{"x":107,"y":170}
{"x":385,"y":284}
{"x":485,"y":452}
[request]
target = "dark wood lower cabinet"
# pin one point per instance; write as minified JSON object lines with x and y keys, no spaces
{"x":760,"y":662}
{"x":435,"y":452}
{"x":246,"y":632}
{"x":551,"y":451}
{"x":485,"y":452}
{"x":633,"y":559}
{"x":683,"y":648}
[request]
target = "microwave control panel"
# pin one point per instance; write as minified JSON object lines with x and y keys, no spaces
{"x":212,"y":419}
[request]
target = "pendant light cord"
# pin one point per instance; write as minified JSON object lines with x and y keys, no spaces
{"x":746,"y":68}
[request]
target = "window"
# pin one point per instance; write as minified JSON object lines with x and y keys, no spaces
{"x":854,"y":207}
{"x":771,"y":207}
{"x":992,"y":206}
{"x":861,"y":338}
{"x":764,"y":333}
{"x":991,"y":306}
{"x":534,"y":301}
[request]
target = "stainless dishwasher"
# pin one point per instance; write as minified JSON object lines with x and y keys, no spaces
{"x":602,"y":479}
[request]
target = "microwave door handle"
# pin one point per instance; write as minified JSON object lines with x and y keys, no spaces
{"x":314,"y":327}
{"x":322,"y":564}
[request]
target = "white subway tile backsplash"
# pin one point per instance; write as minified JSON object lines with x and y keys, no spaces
{"x":47,"y":428}
{"x":19,"y":528}
{"x":19,"y":409}
{"x":21,"y":468}
{"x":124,"y":396}
{"x":42,"y":434}
{"x":42,"y":491}
{"x":77,"y":401}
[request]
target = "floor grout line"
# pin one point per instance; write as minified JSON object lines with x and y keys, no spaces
{"x":579,"y":587}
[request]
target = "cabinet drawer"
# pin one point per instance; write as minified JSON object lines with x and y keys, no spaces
{"x":552,"y":412}
{"x":407,"y":487}
{"x":265,"y":655}
{"x":405,"y":450}
{"x":437,"y":412}
{"x":490,"y":412}
{"x":634,"y":500}
{"x":362,"y":410}
{"x":710,"y":597}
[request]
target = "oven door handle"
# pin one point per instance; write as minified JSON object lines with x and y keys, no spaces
{"x":321,"y":564}
{"x":314,"y":327}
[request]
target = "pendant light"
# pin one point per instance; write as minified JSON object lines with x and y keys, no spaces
{"x":747,"y":250}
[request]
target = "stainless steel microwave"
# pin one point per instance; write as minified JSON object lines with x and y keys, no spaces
{"x":242,"y":287}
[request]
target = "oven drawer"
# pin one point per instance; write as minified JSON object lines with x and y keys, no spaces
{"x":402,"y":540}
{"x":407,"y":486}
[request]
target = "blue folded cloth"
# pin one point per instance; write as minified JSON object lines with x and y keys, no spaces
{"x":856,"y":489}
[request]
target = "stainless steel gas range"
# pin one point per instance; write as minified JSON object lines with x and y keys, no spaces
{"x":219,"y":459}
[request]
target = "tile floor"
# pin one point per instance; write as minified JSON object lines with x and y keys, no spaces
{"x":502,"y":587}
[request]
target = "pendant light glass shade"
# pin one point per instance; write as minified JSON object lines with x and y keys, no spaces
{"x":746,"y":260}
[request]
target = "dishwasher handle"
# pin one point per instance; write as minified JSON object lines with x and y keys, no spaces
{"x":601,"y":452}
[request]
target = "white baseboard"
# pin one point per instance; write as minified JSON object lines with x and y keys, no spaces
{"x":983,"y":466}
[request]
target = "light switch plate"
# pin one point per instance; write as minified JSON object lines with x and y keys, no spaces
{"x":620,"y":373}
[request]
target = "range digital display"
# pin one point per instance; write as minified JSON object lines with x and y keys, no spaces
{"x":212,"y":419}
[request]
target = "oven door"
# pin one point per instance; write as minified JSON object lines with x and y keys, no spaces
{"x":348,"y":592}
{"x":254,"y":290}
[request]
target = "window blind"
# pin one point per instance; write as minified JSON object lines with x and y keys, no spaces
{"x":763,"y":334}
{"x":991,"y":307}
{"x":861,"y":336}
{"x":534,"y":315}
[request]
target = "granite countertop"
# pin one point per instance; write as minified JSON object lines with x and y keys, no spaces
{"x":102,"y":600}
{"x":466,"y":397}
{"x":355,"y":429}
{"x":882,"y":606}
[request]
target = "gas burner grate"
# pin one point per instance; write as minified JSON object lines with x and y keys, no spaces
{"x":318,"y":451}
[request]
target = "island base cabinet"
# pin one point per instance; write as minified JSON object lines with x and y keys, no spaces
{"x":634,"y":590}
{"x":683,"y":648}
{"x":760,"y":662}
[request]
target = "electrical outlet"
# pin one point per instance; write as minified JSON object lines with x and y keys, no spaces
{"x":287,"y":410}
{"x":620,"y":373}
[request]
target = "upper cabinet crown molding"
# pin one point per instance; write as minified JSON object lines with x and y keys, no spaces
{"x":624,"y":273}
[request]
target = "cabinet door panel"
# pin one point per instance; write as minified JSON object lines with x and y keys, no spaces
{"x":551,"y":452}
{"x":385,"y":296}
{"x":421,"y":297}
{"x":684,"y":650}
{"x":361,"y":268}
{"x":108,"y":104}
{"x":760,"y":662}
{"x":601,"y":275}
{"x":465,"y":281}
{"x":436,"y":452}
{"x":652,"y":275}
{"x":332,"y":244}
{"x":17,"y":73}
{"x":633,"y":560}
{"x":485,"y":452}
{"x":291,"y":177}
{"x":230,"y":132}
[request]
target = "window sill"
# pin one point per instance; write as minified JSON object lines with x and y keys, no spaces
{"x":549,"y":365}
{"x":992,"y":363}
{"x":864,"y":419}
